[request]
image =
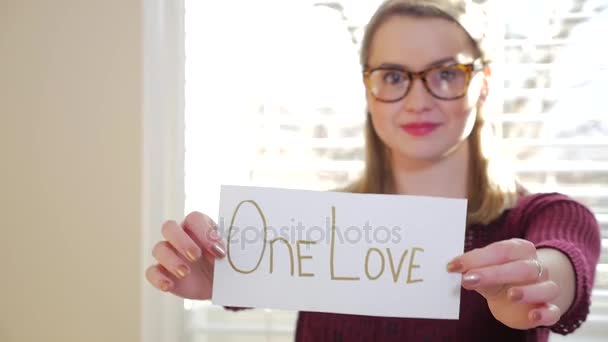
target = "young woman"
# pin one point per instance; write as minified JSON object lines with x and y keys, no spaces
{"x":530,"y":258}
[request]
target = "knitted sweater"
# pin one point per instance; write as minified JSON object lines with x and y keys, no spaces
{"x":547,"y":220}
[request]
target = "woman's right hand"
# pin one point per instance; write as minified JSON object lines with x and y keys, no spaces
{"x":186,"y":257}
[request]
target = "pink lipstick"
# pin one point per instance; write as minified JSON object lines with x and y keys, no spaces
{"x":419,"y":129}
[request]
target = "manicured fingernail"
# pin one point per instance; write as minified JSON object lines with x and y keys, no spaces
{"x":455,"y":266}
{"x":191,"y":254}
{"x":471,"y":279}
{"x":182,"y":271}
{"x":164,"y":285}
{"x":218,"y":250}
{"x":516,"y":295}
{"x":536,"y":316}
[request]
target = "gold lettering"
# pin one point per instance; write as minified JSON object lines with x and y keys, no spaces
{"x":390,"y":260}
{"x":300,"y":257}
{"x":332,"y":247}
{"x":288,"y":248}
{"x":369,"y":251}
{"x":409,"y":271}
{"x":230,"y":232}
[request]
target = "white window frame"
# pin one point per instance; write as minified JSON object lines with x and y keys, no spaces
{"x":162,"y":315}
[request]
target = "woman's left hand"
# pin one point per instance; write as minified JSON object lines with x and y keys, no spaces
{"x":513,"y":281}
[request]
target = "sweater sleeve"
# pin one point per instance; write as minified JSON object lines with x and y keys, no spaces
{"x":557,"y":221}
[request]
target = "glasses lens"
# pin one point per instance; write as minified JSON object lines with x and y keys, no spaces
{"x":388,"y":85}
{"x":448,"y":82}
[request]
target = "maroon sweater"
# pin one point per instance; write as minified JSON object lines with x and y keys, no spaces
{"x":548,"y":220}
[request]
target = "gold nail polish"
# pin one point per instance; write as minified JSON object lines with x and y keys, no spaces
{"x":191,"y":256}
{"x":182,"y":271}
{"x":454,"y":266}
{"x":218,"y":250}
{"x":164,"y":286}
{"x":515,"y":295}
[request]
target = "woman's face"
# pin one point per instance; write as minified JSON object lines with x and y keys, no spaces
{"x":420,"y":126}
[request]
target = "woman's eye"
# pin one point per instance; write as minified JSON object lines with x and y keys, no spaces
{"x":447,"y":75}
{"x":393,"y":77}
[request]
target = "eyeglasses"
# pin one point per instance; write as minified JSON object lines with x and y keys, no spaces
{"x":444,"y":82}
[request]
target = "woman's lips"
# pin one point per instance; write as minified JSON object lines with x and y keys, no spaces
{"x":419,"y":129}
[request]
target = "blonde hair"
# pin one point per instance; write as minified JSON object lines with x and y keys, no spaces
{"x":489,"y":192}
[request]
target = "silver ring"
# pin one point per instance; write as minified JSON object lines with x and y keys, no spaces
{"x":540,"y":267}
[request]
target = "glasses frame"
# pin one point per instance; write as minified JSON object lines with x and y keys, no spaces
{"x":469,"y":69}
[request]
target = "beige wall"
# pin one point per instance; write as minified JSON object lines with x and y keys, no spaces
{"x":70,"y":133}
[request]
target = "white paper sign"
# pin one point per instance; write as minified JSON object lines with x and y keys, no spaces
{"x":376,"y":255}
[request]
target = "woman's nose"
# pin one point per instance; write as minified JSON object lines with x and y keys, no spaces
{"x":418,"y":99}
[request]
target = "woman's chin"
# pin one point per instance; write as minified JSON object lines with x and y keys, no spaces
{"x":422,"y":154}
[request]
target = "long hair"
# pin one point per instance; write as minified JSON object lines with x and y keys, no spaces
{"x":490,"y":189}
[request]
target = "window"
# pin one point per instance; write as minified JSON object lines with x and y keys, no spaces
{"x":274,"y":97}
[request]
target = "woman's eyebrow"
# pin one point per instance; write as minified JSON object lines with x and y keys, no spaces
{"x":391,"y":66}
{"x":397,"y":66}
{"x":442,"y":61}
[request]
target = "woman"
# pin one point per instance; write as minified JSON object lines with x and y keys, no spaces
{"x":530,"y":259}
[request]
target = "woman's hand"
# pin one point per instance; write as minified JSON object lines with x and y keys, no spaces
{"x":186,"y":257}
{"x":512,"y":280}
